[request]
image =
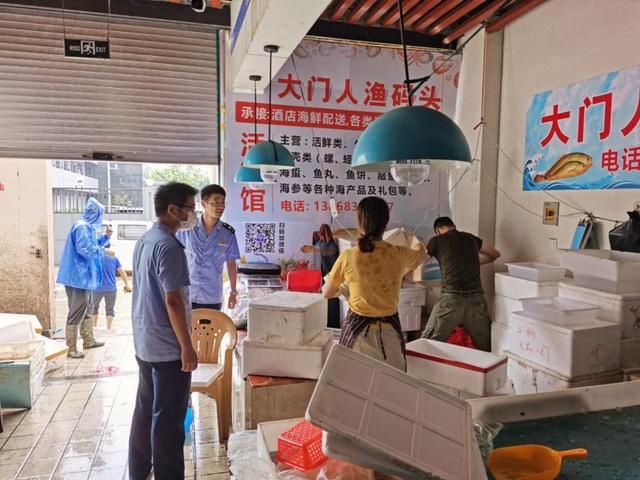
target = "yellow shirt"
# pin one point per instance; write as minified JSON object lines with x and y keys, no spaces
{"x":374,"y":278}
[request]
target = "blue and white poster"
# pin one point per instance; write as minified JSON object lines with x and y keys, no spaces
{"x":585,"y":136}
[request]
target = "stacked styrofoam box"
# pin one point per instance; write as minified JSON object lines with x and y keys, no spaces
{"x":508,"y":292}
{"x":412,"y":298}
{"x":21,"y":381}
{"x":287,"y":336}
{"x":623,"y":309}
{"x":465,"y":369}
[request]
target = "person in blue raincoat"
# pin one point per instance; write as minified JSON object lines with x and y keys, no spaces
{"x":209,"y":246}
{"x":81,"y":272}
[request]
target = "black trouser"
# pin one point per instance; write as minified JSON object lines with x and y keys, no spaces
{"x":157,"y":428}
{"x":78,"y":302}
{"x":213,"y":306}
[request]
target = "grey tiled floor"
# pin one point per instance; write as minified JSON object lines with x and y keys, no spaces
{"x":79,"y":425}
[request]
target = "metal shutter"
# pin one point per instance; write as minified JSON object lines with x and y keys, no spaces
{"x":154,"y":100}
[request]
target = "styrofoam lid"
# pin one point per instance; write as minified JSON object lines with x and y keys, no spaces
{"x":455,"y":355}
{"x":393,"y":415}
{"x":287,"y":301}
{"x":576,"y":329}
{"x":596,"y":294}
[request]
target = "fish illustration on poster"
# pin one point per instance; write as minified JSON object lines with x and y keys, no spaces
{"x":585,"y":136}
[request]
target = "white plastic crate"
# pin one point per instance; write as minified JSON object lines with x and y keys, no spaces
{"x":503,"y":307}
{"x":623,"y":309}
{"x":630,"y":352}
{"x":287,"y":318}
{"x":410,"y":317}
{"x":562,"y":311}
{"x":571,"y":350}
{"x":466,"y":369}
{"x":607,"y":270}
{"x":499,"y":339}
{"x":412,"y":295}
{"x":537,"y":272}
{"x":294,"y":361}
{"x":406,"y":426}
{"x":517,"y":288}
{"x":529,"y":377}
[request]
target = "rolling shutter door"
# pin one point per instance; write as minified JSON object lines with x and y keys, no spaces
{"x":153,"y":100}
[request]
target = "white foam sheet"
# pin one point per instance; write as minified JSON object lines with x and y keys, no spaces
{"x":409,"y":427}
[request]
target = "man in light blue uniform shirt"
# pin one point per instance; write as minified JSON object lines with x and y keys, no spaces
{"x":209,"y":246}
{"x":161,"y":316}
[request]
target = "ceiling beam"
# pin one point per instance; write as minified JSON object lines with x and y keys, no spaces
{"x":512,"y":15}
{"x":341,"y":9}
{"x":360,"y":10}
{"x":447,"y":20}
{"x":435,"y":14}
{"x":379,"y":12}
{"x":477,"y":19}
{"x":394,"y":15}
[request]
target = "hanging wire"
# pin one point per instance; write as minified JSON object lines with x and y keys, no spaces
{"x":270,"y":82}
{"x":404,"y":52}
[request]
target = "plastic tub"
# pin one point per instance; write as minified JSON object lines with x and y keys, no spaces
{"x":537,"y":272}
{"x":562,"y":311}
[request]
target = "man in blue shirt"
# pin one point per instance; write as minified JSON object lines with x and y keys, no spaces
{"x":108,"y":289}
{"x":161,"y":317}
{"x":80,"y":272}
{"x":210,"y":245}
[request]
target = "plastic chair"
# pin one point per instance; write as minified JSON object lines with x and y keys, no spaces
{"x":304,"y":281}
{"x":208,"y":330}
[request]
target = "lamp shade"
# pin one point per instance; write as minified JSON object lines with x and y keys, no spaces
{"x":411,"y":135}
{"x":269,"y":154}
{"x":247,"y":175}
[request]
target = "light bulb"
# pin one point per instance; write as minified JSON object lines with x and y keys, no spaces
{"x":410,"y":174}
{"x":269,"y":174}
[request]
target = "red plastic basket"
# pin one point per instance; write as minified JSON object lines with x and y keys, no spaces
{"x":300,"y":447}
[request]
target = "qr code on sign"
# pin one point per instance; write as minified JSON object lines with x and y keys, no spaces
{"x":260,"y":238}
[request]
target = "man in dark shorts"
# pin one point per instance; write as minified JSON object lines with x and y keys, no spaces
{"x":461,"y":302}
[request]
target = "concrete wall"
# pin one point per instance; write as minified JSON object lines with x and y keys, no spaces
{"x":560,"y":42}
{"x":26,"y":247}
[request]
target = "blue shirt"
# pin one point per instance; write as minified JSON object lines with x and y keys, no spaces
{"x":159,"y":266}
{"x":206,"y":256}
{"x":109,"y":267}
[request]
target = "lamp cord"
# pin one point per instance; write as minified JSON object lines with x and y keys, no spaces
{"x":255,"y":110}
{"x":404,"y":52}
{"x":270,"y":82}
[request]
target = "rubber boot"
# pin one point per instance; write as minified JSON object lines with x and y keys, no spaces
{"x":109,"y":322}
{"x":94,"y":320}
{"x":71,"y":333}
{"x":86,"y":332}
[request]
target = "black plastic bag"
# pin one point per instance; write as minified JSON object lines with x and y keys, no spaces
{"x":626,"y":236}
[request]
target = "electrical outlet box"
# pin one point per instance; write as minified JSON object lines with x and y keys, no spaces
{"x":553,"y":243}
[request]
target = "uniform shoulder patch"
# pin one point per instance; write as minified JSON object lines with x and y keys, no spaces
{"x":228,"y":227}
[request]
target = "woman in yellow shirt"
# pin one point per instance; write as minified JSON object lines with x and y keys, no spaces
{"x":373,"y":271}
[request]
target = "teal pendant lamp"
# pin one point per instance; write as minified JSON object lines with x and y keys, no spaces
{"x":251,"y":176}
{"x":269,"y":157}
{"x":409,"y":141}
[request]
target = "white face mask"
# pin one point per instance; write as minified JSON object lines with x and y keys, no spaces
{"x":190,"y":222}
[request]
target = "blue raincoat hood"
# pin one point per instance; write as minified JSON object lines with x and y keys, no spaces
{"x":93,"y":212}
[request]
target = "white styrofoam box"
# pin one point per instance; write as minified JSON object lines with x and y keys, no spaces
{"x":6,"y":318}
{"x":406,"y":425}
{"x":295,"y":361}
{"x":19,"y":350}
{"x":503,"y":308}
{"x":571,"y":350}
{"x":465,"y":369}
{"x":287,"y":318}
{"x":16,"y":329}
{"x":537,"y":272}
{"x":562,"y":311}
{"x":410,"y":317}
{"x":499,"y":340}
{"x":529,"y":377}
{"x":621,"y":308}
{"x":611,"y":271}
{"x":412,"y":295}
{"x":630,"y":352}
{"x":517,"y":288}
